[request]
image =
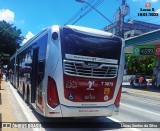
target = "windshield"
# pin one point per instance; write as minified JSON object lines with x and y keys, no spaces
{"x":77,"y":43}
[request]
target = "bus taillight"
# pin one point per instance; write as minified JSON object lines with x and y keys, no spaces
{"x":117,"y":101}
{"x":52,"y":94}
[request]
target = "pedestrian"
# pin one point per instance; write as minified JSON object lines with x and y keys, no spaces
{"x":7,"y":75}
{"x":10,"y":73}
{"x":153,"y":82}
{"x":141,"y":80}
{"x":155,"y":70}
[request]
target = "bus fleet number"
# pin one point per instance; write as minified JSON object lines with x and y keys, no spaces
{"x":106,"y":83}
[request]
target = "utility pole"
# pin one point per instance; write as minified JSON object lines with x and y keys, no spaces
{"x":119,"y":18}
{"x":122,"y":18}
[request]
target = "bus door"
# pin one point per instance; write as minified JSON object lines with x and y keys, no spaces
{"x":34,"y":74}
{"x":41,"y":69}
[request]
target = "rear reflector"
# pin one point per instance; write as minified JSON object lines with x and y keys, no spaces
{"x":52,"y":95}
{"x":117,"y":101}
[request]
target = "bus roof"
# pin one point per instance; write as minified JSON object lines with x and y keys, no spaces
{"x":90,"y":30}
{"x":77,"y":28}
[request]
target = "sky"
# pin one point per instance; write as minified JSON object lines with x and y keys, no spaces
{"x":32,"y":16}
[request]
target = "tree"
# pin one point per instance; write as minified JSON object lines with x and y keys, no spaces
{"x":10,"y":38}
{"x":140,"y":64}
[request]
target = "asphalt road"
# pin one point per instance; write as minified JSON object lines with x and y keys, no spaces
{"x":137,"y":107}
{"x":140,"y":105}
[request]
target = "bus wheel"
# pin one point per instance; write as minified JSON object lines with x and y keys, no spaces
{"x":30,"y":106}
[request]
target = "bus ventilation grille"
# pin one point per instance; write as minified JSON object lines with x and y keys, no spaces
{"x":77,"y":68}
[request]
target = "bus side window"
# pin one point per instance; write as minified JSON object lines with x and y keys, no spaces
{"x":40,"y":71}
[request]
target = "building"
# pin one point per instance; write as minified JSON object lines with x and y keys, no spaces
{"x":132,"y":28}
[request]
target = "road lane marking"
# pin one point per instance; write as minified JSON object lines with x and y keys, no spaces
{"x":146,"y":93}
{"x":21,"y":104}
{"x":140,"y":109}
{"x":142,"y":100}
{"x":113,"y":119}
{"x":143,"y":92}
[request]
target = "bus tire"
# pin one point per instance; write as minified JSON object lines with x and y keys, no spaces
{"x":30,"y":106}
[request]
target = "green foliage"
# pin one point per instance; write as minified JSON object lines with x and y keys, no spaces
{"x":10,"y":38}
{"x":140,"y":64}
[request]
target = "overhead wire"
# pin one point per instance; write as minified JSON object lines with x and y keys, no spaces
{"x":90,"y":8}
{"x":83,"y":14}
{"x":79,"y":12}
{"x":95,"y":5}
{"x":75,"y":15}
{"x":79,"y":15}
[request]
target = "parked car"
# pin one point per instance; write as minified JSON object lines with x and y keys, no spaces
{"x":135,"y":81}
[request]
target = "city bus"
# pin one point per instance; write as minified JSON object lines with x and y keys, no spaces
{"x":70,"y":71}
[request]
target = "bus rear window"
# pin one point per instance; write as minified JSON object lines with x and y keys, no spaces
{"x":86,"y":45}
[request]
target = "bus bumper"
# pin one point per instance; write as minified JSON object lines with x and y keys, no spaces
{"x":86,"y":111}
{"x":72,"y":111}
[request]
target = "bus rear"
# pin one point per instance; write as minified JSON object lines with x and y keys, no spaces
{"x":87,"y":78}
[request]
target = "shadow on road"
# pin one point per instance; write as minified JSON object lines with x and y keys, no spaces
{"x":97,"y":123}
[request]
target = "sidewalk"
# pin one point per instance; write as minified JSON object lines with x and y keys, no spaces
{"x":6,"y":112}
